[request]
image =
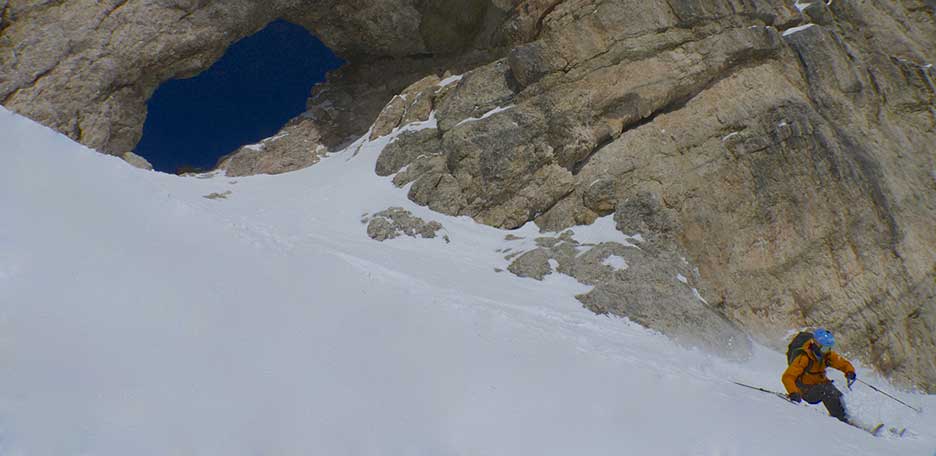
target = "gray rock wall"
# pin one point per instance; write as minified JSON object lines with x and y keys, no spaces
{"x":792,"y":163}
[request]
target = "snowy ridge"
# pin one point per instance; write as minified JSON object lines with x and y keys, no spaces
{"x":139,"y":317}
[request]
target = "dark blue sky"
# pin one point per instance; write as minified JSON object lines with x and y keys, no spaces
{"x":260,"y":83}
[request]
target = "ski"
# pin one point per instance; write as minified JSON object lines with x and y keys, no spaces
{"x":878,"y":429}
{"x":873,"y":430}
{"x":898,"y":432}
{"x":763,"y":390}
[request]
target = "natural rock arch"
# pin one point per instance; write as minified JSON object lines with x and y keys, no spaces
{"x":87,"y":68}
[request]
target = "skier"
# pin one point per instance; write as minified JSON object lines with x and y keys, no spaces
{"x":805,"y":377}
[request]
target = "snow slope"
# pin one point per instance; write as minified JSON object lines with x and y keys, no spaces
{"x":139,"y":318}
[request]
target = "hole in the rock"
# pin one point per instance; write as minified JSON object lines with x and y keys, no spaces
{"x":261,"y":83}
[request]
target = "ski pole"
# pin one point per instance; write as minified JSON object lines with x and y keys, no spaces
{"x":892,"y":397}
{"x":780,"y":395}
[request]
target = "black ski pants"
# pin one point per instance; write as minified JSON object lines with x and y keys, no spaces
{"x":829,"y":395}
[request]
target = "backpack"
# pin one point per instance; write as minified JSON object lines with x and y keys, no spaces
{"x":796,"y":346}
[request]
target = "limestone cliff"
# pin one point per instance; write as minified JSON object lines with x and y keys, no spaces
{"x":786,"y":149}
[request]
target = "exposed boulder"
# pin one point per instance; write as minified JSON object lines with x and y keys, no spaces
{"x":297,"y":145}
{"x":533,"y":264}
{"x":396,"y":221}
{"x":137,"y":161}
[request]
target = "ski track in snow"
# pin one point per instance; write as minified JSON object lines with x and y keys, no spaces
{"x":152,"y":320}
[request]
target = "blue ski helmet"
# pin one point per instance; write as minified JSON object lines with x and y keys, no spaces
{"x":824,"y":337}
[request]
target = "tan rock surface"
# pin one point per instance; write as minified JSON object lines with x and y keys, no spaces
{"x":137,"y":161}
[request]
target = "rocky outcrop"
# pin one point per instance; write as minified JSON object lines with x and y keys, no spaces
{"x":297,"y":145}
{"x":396,"y":221}
{"x":137,"y":161}
{"x":648,"y":284}
{"x":785,"y":149}
{"x":533,"y":264}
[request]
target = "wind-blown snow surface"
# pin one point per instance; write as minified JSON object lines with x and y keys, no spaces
{"x":138,"y":317}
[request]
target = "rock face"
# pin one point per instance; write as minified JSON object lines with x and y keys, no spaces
{"x":787,"y":153}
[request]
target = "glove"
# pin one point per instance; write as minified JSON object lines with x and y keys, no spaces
{"x":795,"y":397}
{"x":851,"y":377}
